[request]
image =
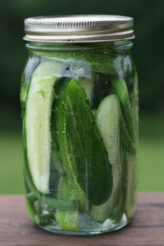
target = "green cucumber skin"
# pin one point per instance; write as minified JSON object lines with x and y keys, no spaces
{"x":87,"y":84}
{"x":31,"y":65}
{"x":81,"y":146}
{"x":100,"y":62}
{"x":35,"y":214}
{"x":51,"y":202}
{"x":130,"y":204}
{"x":30,"y":209}
{"x":67,"y":219}
{"x":108,"y":123}
{"x":37,"y":122}
{"x":54,"y":144}
{"x":122,"y":92}
{"x":134,"y":99}
{"x":127,"y":140}
{"x":102,"y":88}
{"x":35,"y":194}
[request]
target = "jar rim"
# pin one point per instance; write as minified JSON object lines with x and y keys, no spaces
{"x":78,"y":28}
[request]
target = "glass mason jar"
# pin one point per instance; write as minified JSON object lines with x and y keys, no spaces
{"x":79,"y":102}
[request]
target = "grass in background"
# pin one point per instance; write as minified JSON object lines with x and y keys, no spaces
{"x":151,"y":153}
{"x":11,"y":163}
{"x":151,"y":158}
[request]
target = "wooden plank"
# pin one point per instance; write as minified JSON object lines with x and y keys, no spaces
{"x":146,"y":228}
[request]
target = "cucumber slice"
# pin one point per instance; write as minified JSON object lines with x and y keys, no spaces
{"x":122,"y":92}
{"x":37,"y":122}
{"x":51,"y":202}
{"x":30,"y":209}
{"x":130,"y":204}
{"x":31,"y":64}
{"x":99,"y":61}
{"x":57,"y":161}
{"x":87,"y":84}
{"x":67,"y":219}
{"x":69,"y":192}
{"x":134,"y":104}
{"x":127,"y":140}
{"x":108,"y":123}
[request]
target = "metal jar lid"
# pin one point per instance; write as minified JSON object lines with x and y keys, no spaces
{"x":78,"y":28}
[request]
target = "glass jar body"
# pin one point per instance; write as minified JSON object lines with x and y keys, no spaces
{"x":80,"y":130}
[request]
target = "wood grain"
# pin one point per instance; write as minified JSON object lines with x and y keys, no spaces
{"x":146,"y":228}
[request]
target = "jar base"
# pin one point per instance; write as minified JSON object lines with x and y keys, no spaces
{"x":108,"y":226}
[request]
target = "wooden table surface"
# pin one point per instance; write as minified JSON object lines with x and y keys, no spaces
{"x":146,"y":228}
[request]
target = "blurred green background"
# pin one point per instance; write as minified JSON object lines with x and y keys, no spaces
{"x":149,"y":57}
